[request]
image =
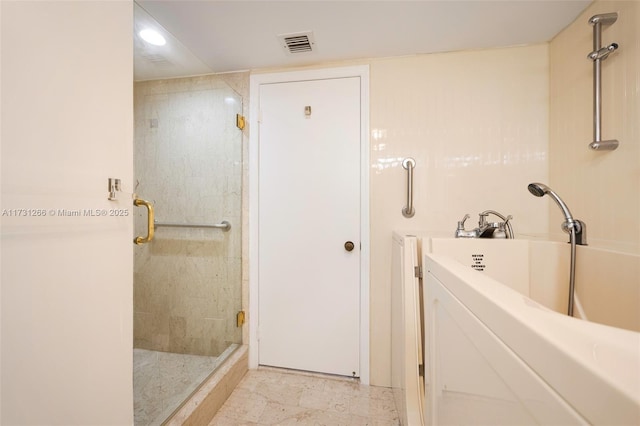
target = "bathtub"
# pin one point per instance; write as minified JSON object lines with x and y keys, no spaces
{"x":498,"y":348}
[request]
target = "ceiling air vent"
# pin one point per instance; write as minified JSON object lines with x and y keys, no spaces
{"x":157,"y":60}
{"x":297,"y":43}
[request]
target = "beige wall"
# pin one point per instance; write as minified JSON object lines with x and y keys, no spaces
{"x":601,"y":187}
{"x":187,"y":283}
{"x":476,"y":124}
{"x":67,"y":126}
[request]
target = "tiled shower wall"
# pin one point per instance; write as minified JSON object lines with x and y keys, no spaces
{"x":602,"y":188}
{"x":188,"y":162}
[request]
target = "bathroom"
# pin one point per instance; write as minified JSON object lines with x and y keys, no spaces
{"x":479,"y":137}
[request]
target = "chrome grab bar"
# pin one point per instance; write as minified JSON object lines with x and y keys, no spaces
{"x":409,"y":163}
{"x":598,"y":55}
{"x":224,"y":225}
{"x":150,"y":228}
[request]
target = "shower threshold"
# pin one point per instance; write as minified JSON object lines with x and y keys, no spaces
{"x":162,"y":381}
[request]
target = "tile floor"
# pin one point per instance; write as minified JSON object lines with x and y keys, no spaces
{"x":269,"y":396}
{"x":161,"y":381}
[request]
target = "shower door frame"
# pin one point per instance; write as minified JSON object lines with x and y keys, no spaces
{"x":256,"y":81}
{"x":194,"y":90}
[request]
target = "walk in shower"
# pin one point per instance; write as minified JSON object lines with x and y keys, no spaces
{"x":187,"y":280}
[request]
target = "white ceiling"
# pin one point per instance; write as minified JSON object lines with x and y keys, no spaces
{"x":220,"y":36}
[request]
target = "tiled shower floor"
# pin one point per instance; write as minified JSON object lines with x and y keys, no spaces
{"x":161,"y":381}
{"x":268,"y":396}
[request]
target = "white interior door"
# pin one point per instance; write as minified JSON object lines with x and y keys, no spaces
{"x":309,"y":207}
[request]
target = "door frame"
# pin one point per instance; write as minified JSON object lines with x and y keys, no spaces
{"x":256,"y":80}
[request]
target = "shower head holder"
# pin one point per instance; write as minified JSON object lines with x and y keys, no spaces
{"x":597,"y":55}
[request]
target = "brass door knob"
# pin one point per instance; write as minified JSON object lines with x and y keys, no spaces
{"x":348,"y":246}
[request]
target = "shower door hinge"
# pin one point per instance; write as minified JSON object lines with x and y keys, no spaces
{"x":240,"y":121}
{"x":417,"y":271}
{"x":421,"y":370}
{"x":240,"y":318}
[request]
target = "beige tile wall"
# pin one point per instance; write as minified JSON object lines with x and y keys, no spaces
{"x":476,"y":123}
{"x":601,"y":188}
{"x":187,"y":282}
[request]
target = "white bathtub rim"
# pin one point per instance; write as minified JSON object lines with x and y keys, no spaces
{"x":509,"y":299}
{"x":612,"y":246}
{"x":572,"y":344}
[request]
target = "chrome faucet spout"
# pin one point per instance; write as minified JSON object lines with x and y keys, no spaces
{"x":506,"y":224}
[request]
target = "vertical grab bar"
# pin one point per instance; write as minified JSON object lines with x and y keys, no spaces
{"x":598,"y":55}
{"x":150,"y":221}
{"x":409,"y":163}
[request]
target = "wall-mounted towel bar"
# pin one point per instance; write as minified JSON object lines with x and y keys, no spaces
{"x":409,"y":163}
{"x":224,"y":225}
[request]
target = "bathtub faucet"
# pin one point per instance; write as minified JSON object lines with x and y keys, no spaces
{"x":486,"y":229}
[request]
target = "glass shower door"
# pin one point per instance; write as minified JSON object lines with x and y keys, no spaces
{"x":187,"y":280}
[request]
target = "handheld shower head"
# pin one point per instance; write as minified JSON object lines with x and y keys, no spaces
{"x":540,"y":189}
{"x":537,"y":189}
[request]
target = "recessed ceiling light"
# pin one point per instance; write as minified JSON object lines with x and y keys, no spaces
{"x":153,"y":37}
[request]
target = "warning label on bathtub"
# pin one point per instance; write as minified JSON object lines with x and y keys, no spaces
{"x":477,"y":262}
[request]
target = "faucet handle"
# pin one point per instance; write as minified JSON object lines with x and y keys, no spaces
{"x":482,"y":221}
{"x":461,"y":222}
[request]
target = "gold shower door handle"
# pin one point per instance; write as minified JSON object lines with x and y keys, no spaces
{"x":150,"y":227}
